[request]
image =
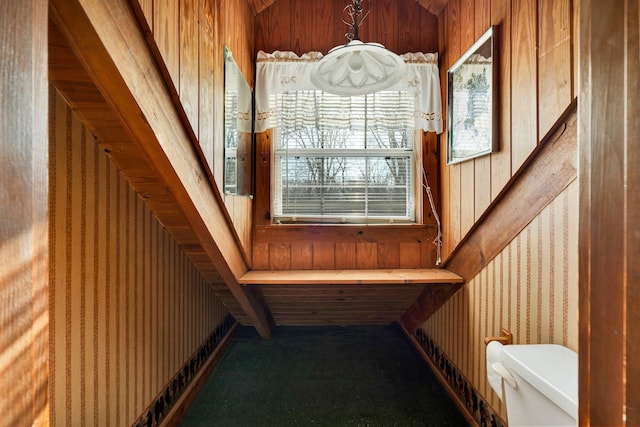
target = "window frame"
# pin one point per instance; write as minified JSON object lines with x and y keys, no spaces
{"x":414,"y":187}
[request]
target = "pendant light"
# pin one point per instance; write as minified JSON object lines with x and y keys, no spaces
{"x":357,"y":68}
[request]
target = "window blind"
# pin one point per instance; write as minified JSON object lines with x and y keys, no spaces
{"x":344,"y":159}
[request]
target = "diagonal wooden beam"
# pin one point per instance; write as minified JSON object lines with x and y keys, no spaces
{"x":109,"y":43}
{"x":545,"y":174}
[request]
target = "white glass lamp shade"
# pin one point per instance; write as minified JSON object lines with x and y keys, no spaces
{"x":357,"y":68}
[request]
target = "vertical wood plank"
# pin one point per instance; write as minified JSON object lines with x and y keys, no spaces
{"x":454,"y":43}
{"x":409,"y":255}
{"x":147,"y":10}
{"x":409,"y":23}
{"x":501,"y":160}
{"x":430,"y":160}
{"x":260,"y":256}
{"x":218,"y":95}
{"x":554,"y":61}
{"x":608,"y":218}
{"x":443,"y":41}
{"x":262,"y":200}
{"x":324,"y":256}
{"x":279,"y":256}
{"x":366,"y":255}
{"x":273,"y":27}
{"x":467,"y":169}
{"x":309,"y":21}
{"x":166,"y":19}
{"x":524,"y":106}
{"x":388,"y":255}
{"x":301,"y":255}
{"x":384,"y":19}
{"x":429,"y":28}
{"x":345,"y":255}
{"x":189,"y":67}
{"x":206,"y":85}
{"x":482,"y":165}
{"x":633,"y":218}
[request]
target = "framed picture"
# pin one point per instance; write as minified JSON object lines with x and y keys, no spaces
{"x":471,"y":105}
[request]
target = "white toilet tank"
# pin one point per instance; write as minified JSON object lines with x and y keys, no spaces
{"x":546,"y":385}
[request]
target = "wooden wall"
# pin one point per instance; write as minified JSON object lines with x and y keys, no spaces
{"x":188,"y":36}
{"x":302,"y":26}
{"x":536,"y":84}
{"x":609,"y":213}
{"x":24,"y":313}
{"x":128,"y":308}
{"x":530,"y":288}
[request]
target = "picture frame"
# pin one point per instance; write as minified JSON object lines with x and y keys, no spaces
{"x":472,"y":101}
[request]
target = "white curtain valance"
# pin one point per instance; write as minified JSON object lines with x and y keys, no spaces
{"x":279,"y":72}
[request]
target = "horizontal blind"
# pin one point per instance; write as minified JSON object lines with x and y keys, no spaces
{"x":344,"y":159}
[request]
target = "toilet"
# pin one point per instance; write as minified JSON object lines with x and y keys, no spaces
{"x":540,"y":383}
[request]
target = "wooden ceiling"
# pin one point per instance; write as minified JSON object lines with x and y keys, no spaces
{"x":433,"y":6}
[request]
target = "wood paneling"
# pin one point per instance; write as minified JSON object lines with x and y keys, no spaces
{"x":340,"y":247}
{"x":189,"y":74}
{"x":119,"y":60}
{"x":128,"y":307}
{"x":166,"y":34}
{"x":554,"y":70}
{"x":302,"y":26}
{"x":530,"y":288}
{"x":24,"y":310}
{"x":188,"y":42}
{"x":501,"y":160}
{"x":524,"y":101}
{"x":338,"y":304}
{"x":534,"y":61}
{"x":545,"y":176}
{"x":609,"y":220}
{"x":433,"y":6}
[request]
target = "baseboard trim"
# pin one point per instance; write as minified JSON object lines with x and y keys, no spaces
{"x":180,"y":408}
{"x":476,"y":411}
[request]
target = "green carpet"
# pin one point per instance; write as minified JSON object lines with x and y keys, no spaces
{"x":323,"y":376}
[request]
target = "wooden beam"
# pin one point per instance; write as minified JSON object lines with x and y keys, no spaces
{"x":427,"y":303}
{"x":609,"y":213}
{"x":433,"y":6}
{"x":351,"y":277}
{"x":75,"y":85}
{"x":24,"y":193}
{"x":109,"y":43}
{"x":546,"y":173}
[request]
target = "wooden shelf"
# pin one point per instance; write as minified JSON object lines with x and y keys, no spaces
{"x":350,"y":277}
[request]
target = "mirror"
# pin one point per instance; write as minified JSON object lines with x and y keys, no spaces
{"x":471,"y":110}
{"x":238,"y":119}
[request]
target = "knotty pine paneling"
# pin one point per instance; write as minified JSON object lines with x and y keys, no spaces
{"x":128,"y":308}
{"x":536,"y":80}
{"x":530,"y":288}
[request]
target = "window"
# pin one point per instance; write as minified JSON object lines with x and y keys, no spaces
{"x":344,"y":159}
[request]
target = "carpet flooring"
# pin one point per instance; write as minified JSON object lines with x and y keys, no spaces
{"x":363,"y":376}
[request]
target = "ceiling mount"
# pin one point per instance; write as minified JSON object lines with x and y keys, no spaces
{"x":357,"y":68}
